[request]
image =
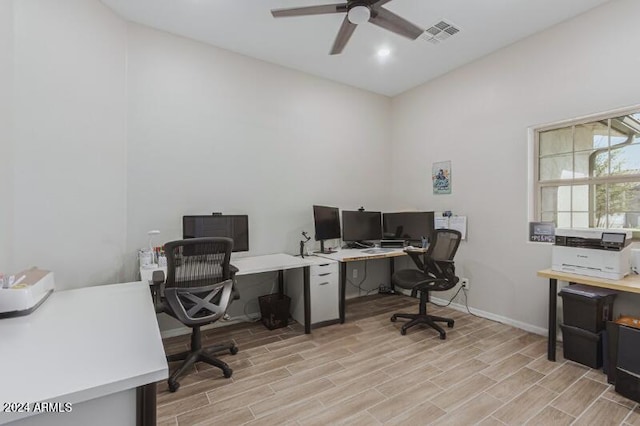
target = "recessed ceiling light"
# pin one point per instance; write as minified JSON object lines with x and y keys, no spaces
{"x":384,"y":52}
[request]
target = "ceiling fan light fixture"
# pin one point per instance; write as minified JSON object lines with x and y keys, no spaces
{"x":359,"y":14}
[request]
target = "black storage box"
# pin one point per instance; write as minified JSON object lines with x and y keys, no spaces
{"x":582,"y":346}
{"x":628,"y":384}
{"x":585,"y":307}
{"x":274,"y":310}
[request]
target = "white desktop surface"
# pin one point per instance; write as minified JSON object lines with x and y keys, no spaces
{"x":351,"y":255}
{"x":268,"y":262}
{"x":80,"y":345}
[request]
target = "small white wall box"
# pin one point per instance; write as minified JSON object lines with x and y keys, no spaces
{"x":28,"y":294}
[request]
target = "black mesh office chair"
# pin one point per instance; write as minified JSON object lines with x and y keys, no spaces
{"x":435,"y":273}
{"x":198,"y":289}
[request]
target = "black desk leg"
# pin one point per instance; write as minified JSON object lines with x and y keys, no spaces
{"x":306,"y":272}
{"x":392,"y":269}
{"x":281,"y":282}
{"x":343,"y":290}
{"x":553,"y":303}
{"x":146,"y":405}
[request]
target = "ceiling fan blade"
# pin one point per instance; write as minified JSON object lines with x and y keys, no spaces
{"x":394,"y":23}
{"x":310,"y":10}
{"x":346,"y":30}
{"x":380,"y":2}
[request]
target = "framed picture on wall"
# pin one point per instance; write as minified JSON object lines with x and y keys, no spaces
{"x":441,"y":177}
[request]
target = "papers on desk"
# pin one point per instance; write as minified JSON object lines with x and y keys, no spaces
{"x":459,"y":223}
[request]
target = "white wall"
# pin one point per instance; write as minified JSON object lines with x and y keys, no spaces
{"x":6,"y":144}
{"x":210,"y":130}
{"x":70,"y":142}
{"x":478,"y":117}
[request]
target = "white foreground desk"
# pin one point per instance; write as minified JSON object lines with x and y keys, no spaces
{"x":353,"y":255}
{"x":96,"y":348}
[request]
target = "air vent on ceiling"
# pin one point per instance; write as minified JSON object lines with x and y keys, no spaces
{"x":440,"y":32}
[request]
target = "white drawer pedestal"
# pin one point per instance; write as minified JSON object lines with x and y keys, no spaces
{"x":324,"y":293}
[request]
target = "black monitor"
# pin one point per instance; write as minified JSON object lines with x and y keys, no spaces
{"x":361,"y":226}
{"x":235,"y":227}
{"x":327,"y":224}
{"x":408,"y":226}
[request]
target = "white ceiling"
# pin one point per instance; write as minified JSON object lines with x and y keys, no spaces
{"x":303,"y":43}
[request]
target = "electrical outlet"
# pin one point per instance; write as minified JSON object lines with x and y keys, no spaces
{"x":464,"y":282}
{"x":355,"y":273}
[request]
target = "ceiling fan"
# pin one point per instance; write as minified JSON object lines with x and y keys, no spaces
{"x":358,"y":12}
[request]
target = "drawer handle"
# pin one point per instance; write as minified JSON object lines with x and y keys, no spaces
{"x":325,"y":274}
{"x":324,"y":264}
{"x":324,"y":283}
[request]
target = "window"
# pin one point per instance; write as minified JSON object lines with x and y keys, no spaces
{"x":588,"y":173}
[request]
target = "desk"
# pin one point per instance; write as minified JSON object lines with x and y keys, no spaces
{"x":266,"y":263}
{"x":353,"y":255}
{"x":279,"y":262}
{"x":91,"y":347}
{"x":629,"y":284}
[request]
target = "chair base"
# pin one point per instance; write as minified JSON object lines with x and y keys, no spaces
{"x":199,"y":354}
{"x":429,"y":320}
{"x":423,"y":318}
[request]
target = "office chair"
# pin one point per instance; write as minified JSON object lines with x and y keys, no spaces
{"x":436,"y":273}
{"x":198,"y":290}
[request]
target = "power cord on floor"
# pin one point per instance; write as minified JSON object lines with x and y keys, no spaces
{"x":466,"y":302}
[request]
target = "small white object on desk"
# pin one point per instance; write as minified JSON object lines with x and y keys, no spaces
{"x":24,"y":295}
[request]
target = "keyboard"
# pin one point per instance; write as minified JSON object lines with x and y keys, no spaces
{"x":378,"y":250}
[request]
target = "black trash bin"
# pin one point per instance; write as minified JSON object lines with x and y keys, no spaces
{"x":586,"y":307}
{"x":274,"y":310}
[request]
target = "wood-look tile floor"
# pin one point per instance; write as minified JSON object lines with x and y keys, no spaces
{"x":364,"y":372}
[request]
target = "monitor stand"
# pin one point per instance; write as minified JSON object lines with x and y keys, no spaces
{"x":323,"y":250}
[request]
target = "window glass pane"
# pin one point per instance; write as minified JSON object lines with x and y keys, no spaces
{"x":563,"y":199}
{"x":549,"y":199}
{"x":548,"y":217}
{"x":556,"y":141}
{"x":556,"y":167}
{"x":625,"y":160}
{"x":591,"y":136}
{"x":600,"y":206}
{"x":564,"y":220}
{"x":580,"y":198}
{"x":580,"y":219}
{"x":624,"y":204}
{"x":600,"y":166}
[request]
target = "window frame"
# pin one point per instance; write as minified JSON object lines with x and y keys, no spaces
{"x":589,"y":181}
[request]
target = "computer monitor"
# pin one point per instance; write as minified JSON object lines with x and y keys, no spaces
{"x":327,"y":224}
{"x":361,"y":226}
{"x":235,"y":227}
{"x":408,"y":226}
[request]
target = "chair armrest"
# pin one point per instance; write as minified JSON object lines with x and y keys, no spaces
{"x":415,"y":255}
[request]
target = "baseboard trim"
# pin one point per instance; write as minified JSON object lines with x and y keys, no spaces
{"x":491,"y":316}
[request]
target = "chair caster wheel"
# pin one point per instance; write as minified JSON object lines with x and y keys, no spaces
{"x":394,"y":318}
{"x":233,"y":350}
{"x":443,"y":336}
{"x":450,"y":324}
{"x":227,"y":372}
{"x":403,"y":331}
{"x":173,"y":386}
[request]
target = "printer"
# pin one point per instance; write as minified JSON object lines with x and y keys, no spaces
{"x":602,"y":253}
